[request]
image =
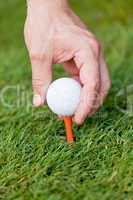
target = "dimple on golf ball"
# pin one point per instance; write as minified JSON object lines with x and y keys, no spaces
{"x":63,"y":96}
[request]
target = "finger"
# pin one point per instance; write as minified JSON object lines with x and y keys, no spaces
{"x":105,"y":78}
{"x":105,"y":83}
{"x":90,"y":78}
{"x":41,"y":78}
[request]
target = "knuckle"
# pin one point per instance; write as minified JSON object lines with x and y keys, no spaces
{"x":95,"y":43}
{"x":94,"y":85}
{"x":37,"y":83}
{"x":37,"y":56}
{"x":96,"y":46}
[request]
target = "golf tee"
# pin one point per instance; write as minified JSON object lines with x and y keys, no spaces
{"x":69,"y":132}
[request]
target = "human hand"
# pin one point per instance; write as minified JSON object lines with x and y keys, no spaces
{"x":55,"y":35}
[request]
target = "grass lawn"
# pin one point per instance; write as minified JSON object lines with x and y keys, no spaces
{"x":35,"y":161}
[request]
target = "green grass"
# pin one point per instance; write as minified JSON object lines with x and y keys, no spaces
{"x":35,"y":161}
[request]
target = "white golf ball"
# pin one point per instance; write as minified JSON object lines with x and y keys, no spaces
{"x":63,"y":96}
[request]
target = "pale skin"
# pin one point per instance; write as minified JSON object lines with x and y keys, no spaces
{"x":54,"y":34}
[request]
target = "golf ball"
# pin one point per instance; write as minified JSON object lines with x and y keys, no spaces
{"x":63,"y":96}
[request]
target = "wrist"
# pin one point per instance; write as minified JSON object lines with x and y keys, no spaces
{"x":48,"y":3}
{"x":47,"y":7}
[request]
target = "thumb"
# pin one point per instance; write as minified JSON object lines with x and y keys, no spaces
{"x":41,"y":77}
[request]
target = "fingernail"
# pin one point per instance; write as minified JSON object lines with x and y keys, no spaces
{"x":37,"y":100}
